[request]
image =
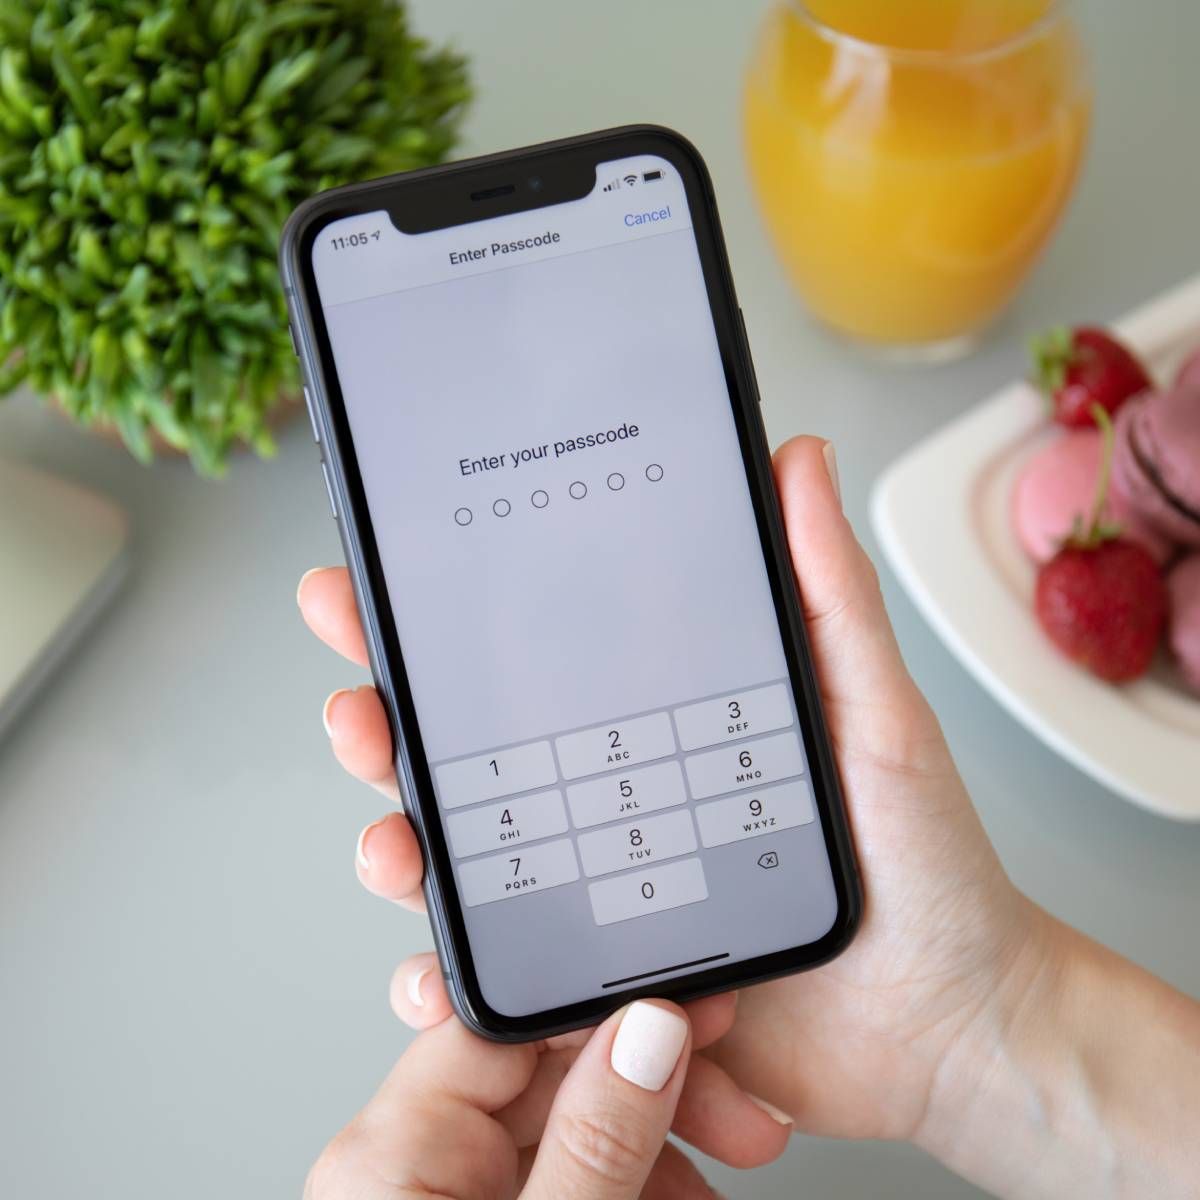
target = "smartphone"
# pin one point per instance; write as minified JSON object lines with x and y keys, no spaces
{"x":530,"y":383}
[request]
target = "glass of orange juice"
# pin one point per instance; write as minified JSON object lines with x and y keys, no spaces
{"x":912,"y":157}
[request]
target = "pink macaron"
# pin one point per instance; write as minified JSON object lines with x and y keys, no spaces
{"x":1189,"y":373}
{"x":1156,"y":461}
{"x":1057,"y":488}
{"x":1183,"y":622}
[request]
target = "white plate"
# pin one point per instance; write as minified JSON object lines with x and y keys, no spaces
{"x":941,"y":513}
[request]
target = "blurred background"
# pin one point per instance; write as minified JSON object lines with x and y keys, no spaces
{"x":192,"y":983}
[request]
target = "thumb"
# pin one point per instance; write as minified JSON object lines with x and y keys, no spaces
{"x":614,"y":1109}
{"x":876,"y":712}
{"x":852,"y":638}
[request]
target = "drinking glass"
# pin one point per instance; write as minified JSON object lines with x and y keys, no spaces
{"x":912,"y":157}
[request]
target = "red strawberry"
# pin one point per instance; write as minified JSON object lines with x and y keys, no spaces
{"x":1103,"y":606}
{"x":1077,"y":368}
{"x":1101,"y":598}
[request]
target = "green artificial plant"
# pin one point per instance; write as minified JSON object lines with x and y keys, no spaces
{"x":150,"y":151}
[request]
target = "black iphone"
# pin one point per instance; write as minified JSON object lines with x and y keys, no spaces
{"x":529,"y":379}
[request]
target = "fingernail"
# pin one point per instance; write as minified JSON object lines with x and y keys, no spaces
{"x":776,"y":1114}
{"x":648,"y":1044}
{"x":360,"y":853}
{"x":327,"y":711}
{"x":413,"y":987}
{"x":300,"y":585}
{"x":831,"y":466}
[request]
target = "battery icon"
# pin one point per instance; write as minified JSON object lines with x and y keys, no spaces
{"x":651,"y":176}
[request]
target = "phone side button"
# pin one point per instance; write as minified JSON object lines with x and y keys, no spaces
{"x":291,"y":320}
{"x":329,"y":490}
{"x":749,"y":356}
{"x":312,"y":416}
{"x":438,"y":945}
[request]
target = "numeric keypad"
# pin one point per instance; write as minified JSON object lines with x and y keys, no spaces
{"x":627,"y":786}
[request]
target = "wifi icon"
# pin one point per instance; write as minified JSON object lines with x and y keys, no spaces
{"x":630,"y":180}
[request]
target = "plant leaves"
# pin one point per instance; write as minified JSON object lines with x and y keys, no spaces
{"x":70,"y":80}
{"x":150,"y":151}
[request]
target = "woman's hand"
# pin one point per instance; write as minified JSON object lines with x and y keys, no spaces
{"x":584,"y":1116}
{"x":962,"y":1017}
{"x":946,"y":945}
{"x":452,"y":1118}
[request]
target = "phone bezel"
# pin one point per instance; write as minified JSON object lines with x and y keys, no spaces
{"x":441,"y":197}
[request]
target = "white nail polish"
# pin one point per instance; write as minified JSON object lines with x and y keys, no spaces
{"x":413,"y":988}
{"x":648,"y":1044}
{"x":776,"y":1114}
{"x":328,"y":705}
{"x":360,"y":856}
{"x":830,"y":455}
{"x":300,"y":585}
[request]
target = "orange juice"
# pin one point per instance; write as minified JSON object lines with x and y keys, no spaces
{"x":912,"y":158}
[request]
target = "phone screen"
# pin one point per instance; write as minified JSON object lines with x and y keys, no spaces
{"x":544,"y":434}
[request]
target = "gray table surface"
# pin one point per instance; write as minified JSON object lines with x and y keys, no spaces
{"x":192,"y":983}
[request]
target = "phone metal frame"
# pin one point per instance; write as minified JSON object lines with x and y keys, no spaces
{"x":443,"y":196}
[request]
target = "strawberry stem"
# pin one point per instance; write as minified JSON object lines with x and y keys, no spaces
{"x":1097,"y":532}
{"x":1053,"y":353}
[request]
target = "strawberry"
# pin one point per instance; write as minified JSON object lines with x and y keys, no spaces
{"x":1079,"y":368}
{"x":1101,"y":598}
{"x":1103,"y":606}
